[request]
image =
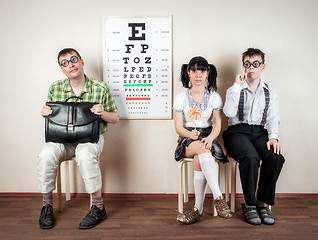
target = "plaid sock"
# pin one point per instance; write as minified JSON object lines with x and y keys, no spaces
{"x":98,"y":202}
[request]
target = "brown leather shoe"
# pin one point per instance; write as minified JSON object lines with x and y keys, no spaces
{"x":222,"y":208}
{"x":191,"y":216}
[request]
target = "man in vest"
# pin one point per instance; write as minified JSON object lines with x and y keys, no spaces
{"x":252,"y":136}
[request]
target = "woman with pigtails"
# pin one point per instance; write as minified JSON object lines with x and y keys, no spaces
{"x":197,"y":116}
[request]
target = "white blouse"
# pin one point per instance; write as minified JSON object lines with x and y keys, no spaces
{"x":212,"y":101}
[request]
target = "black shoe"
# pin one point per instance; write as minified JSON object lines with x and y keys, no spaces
{"x":250,"y":214}
{"x":94,"y":217}
{"x":266,"y":216}
{"x":46,"y":220}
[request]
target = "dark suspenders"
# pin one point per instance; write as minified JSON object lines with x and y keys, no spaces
{"x":241,"y":106}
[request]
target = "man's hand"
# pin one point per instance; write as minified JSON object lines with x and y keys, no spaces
{"x":276,"y":146}
{"x":240,"y":78}
{"x":46,"y":110}
{"x":97,"y":109}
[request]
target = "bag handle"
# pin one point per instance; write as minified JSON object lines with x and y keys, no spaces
{"x":78,"y":98}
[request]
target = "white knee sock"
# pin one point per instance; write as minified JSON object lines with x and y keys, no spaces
{"x":210,"y":170}
{"x":200,"y":184}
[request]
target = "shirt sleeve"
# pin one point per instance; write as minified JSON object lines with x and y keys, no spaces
{"x":217,"y":103}
{"x":179,"y":103}
{"x":109,"y":104}
{"x":49,"y":95}
{"x":53,"y":92}
{"x":273,"y":115}
{"x":232,"y":100}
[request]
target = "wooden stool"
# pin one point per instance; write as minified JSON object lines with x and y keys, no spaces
{"x":183,"y":188}
{"x":233,"y":166}
{"x":66,"y":182}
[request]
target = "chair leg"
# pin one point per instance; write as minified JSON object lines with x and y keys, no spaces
{"x":215,"y":213}
{"x":186,"y":182}
{"x":183,"y":196}
{"x":233,"y":168}
{"x":227,"y":194}
{"x":180,"y":190}
{"x":67,"y":180}
{"x":58,"y":186}
{"x":67,"y":183}
{"x":233,"y":185}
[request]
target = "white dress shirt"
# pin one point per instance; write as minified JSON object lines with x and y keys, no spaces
{"x":254,"y":104}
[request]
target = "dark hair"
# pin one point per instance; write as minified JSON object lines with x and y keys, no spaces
{"x":251,"y":52}
{"x":66,"y":51}
{"x":199,"y":63}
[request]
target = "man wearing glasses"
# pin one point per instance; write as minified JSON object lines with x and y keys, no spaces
{"x":252,"y":136}
{"x":90,"y":90}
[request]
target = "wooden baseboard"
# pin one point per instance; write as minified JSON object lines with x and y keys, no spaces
{"x":150,"y":195}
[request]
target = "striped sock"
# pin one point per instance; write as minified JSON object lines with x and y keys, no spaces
{"x":98,"y":202}
{"x":47,"y":200}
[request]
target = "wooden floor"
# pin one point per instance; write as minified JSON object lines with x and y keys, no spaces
{"x":154,"y":218}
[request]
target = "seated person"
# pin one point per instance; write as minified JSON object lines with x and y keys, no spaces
{"x":90,"y":90}
{"x":197,"y":117}
{"x":252,"y":136}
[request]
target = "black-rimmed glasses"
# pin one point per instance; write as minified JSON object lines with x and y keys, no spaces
{"x":65,"y":62}
{"x":256,"y":64}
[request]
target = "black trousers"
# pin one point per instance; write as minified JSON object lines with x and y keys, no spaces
{"x":247,"y":145}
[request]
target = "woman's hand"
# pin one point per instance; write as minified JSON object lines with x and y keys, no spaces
{"x":207,"y":142}
{"x":194,"y":134}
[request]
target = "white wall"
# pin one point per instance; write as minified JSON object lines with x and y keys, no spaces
{"x":138,"y":154}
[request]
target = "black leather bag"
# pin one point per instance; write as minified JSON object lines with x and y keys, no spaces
{"x":71,"y":122}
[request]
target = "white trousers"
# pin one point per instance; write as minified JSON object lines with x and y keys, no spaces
{"x":86,"y":158}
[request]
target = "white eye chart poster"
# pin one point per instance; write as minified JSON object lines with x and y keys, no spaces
{"x":138,"y":65}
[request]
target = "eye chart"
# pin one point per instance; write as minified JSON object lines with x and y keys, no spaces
{"x":138,"y":65}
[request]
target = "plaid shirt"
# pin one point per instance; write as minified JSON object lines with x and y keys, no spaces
{"x":94,"y":91}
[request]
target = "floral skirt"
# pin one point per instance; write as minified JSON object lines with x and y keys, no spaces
{"x":216,"y":149}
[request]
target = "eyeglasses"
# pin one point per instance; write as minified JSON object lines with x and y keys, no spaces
{"x":256,"y":64}
{"x":65,"y":62}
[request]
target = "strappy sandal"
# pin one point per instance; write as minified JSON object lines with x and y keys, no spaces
{"x":222,"y":207}
{"x":191,"y":216}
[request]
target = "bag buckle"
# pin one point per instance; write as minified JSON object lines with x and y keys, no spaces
{"x":70,"y":127}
